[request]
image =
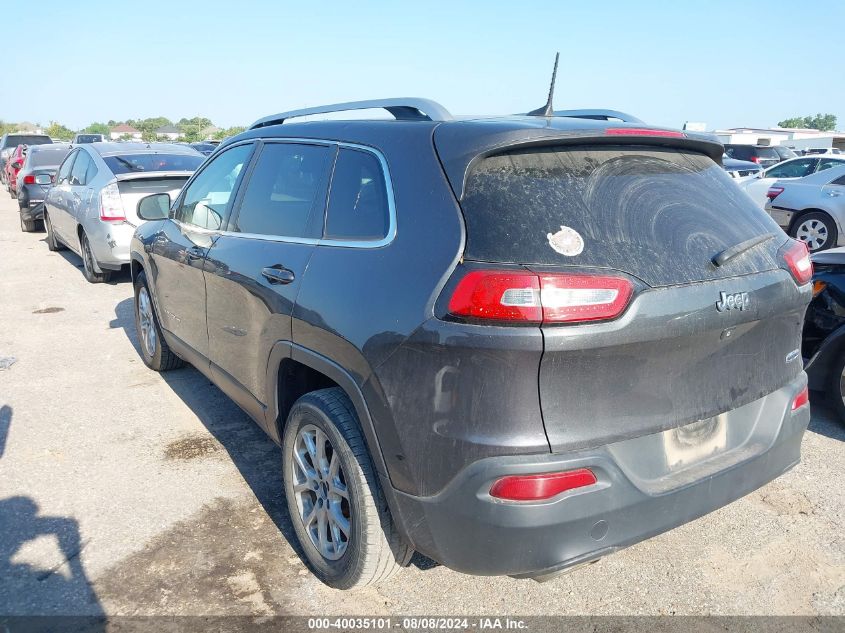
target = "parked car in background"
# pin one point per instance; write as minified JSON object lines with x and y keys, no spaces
{"x":811,"y":209}
{"x":204,"y":148}
{"x":35,"y":179}
{"x":784,"y":153}
{"x":92,"y":206}
{"x":740,"y":170}
{"x":794,"y":168}
{"x":472,"y":338}
{"x":78,"y":139}
{"x":13,"y":166}
{"x":8,"y":143}
{"x":824,"y":329}
{"x":798,"y":152}
{"x":763,"y":155}
{"x":822,"y":150}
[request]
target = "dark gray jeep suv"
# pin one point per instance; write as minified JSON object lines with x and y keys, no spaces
{"x":512,"y":344}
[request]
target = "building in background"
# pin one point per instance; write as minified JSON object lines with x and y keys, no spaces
{"x":795,"y":138}
{"x":170,"y":132}
{"x":122,"y":130}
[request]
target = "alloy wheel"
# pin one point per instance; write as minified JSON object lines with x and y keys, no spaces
{"x":322,"y":496}
{"x":813,"y":232}
{"x":149,"y":338}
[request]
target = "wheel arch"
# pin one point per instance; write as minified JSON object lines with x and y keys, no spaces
{"x":800,"y":214}
{"x":819,"y":365}
{"x":285,"y":352}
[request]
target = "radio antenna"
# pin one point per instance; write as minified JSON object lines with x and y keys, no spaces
{"x":548,"y":109}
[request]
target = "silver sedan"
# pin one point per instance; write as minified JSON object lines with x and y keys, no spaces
{"x":811,"y":209}
{"x":92,"y":207}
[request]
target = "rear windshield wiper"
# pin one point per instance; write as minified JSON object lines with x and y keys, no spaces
{"x":722,"y":258}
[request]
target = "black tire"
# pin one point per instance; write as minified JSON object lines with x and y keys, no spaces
{"x":88,"y":262}
{"x":820,"y":221}
{"x":53,"y":242}
{"x":374,"y":550}
{"x":161,"y":357}
{"x":836,"y":386}
{"x":28,"y":226}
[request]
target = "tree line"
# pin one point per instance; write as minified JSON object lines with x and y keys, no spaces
{"x":194,"y":129}
{"x":821,"y":122}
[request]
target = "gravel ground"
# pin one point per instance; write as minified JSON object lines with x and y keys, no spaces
{"x":126,"y":492}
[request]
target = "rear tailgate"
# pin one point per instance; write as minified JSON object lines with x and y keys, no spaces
{"x":134,"y":186}
{"x":658,"y":216}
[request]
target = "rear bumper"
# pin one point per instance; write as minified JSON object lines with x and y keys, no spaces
{"x":110,"y":243}
{"x":465,"y":529}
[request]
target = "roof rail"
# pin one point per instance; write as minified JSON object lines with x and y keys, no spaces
{"x":599,"y":115}
{"x":404,"y":108}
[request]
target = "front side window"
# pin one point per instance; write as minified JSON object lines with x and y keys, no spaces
{"x":793,"y":169}
{"x":206,"y":198}
{"x":286,"y":192}
{"x":358,"y":207}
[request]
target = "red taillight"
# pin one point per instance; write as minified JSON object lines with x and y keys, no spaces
{"x":541,"y":487}
{"x":774,"y":192}
{"x":642,"y":131}
{"x":802,"y":399}
{"x":517,"y":296}
{"x":498,"y":295}
{"x":755,"y":159}
{"x":797,"y":257}
{"x":29,"y":180}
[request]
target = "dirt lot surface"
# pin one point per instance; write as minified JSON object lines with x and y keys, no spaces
{"x":127,"y":492}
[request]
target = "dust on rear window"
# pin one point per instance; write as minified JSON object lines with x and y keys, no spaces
{"x":659,"y":214}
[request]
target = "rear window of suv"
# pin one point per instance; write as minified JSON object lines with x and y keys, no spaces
{"x":130,"y":163}
{"x":13,"y":140}
{"x":659,"y":214}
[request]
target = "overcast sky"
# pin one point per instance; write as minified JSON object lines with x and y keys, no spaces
{"x":724,"y":63}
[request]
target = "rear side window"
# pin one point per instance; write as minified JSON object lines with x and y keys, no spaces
{"x":81,"y":167}
{"x":358,"y":206}
{"x":64,"y":170}
{"x":767,"y":152}
{"x":130,"y":163}
{"x":286,"y":193}
{"x":659,"y":214}
{"x":827,"y":163}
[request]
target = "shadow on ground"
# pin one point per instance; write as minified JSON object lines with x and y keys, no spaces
{"x":824,"y":420}
{"x":117,"y":277}
{"x":40,"y":568}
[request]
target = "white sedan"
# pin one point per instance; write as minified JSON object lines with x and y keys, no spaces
{"x":787,"y":170}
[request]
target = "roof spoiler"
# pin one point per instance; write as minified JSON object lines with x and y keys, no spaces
{"x":403,"y":109}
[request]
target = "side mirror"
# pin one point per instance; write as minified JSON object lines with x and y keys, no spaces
{"x":154,"y":207}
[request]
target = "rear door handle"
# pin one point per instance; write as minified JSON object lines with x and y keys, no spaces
{"x":278,"y":275}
